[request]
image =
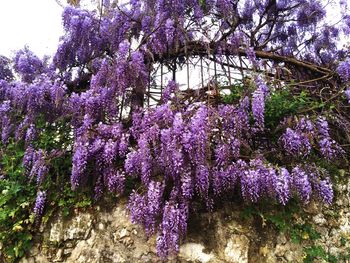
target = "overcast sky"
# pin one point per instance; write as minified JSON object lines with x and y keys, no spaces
{"x":36,"y":23}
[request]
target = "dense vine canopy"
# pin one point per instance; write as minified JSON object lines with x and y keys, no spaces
{"x":130,"y":128}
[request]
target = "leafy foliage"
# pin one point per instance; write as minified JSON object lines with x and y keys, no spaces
{"x":284,"y":103}
{"x":287,"y":221}
{"x":18,"y":223}
{"x":16,"y":202}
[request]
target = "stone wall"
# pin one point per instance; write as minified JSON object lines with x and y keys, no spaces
{"x":107,"y":235}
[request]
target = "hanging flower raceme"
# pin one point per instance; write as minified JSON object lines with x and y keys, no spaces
{"x":102,"y":145}
{"x":169,"y":90}
{"x":301,"y":184}
{"x":296,"y":143}
{"x":347,"y":94}
{"x":172,"y":228}
{"x":39,"y":205}
{"x":330,"y":149}
{"x":146,"y":209}
{"x":344,"y":70}
{"x":195,"y":151}
{"x":325,"y":191}
{"x":27,"y":65}
{"x":36,"y":165}
{"x":258,"y":102}
{"x":79,"y":164}
{"x":283,"y":184}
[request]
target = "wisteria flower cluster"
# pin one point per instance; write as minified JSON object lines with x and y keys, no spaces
{"x":258,"y":102}
{"x":329,"y":147}
{"x":188,"y":151}
{"x":347,"y":94}
{"x":301,"y":140}
{"x":344,"y":70}
{"x":100,"y":146}
{"x":39,"y":205}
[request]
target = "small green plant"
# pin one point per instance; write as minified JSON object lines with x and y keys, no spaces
{"x":16,"y":202}
{"x":236,"y":93}
{"x":279,"y":104}
{"x":18,"y":192}
{"x":283,"y":103}
{"x":69,"y":200}
{"x":284,"y":220}
{"x":314,"y":252}
{"x":345,"y":257}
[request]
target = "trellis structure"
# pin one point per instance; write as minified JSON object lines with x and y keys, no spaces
{"x":203,"y":68}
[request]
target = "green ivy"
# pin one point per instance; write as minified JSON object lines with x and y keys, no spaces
{"x":284,"y":220}
{"x":236,"y":93}
{"x":18,"y":193}
{"x":280,"y":104}
{"x":283,"y":103}
{"x":16,"y":203}
{"x":314,"y":252}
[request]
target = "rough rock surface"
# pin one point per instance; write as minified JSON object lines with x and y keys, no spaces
{"x":107,"y":235}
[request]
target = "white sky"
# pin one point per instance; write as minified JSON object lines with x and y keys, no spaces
{"x":36,"y":23}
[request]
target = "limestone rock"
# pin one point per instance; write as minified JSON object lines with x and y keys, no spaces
{"x":193,"y":252}
{"x":108,"y":236}
{"x":79,"y":228}
{"x":319,"y":219}
{"x":236,"y":250}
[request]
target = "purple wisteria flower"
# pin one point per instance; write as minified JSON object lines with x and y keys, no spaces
{"x":325,"y":190}
{"x":187,"y":186}
{"x":154,"y":205}
{"x":115,"y":180}
{"x":173,"y":226}
{"x":137,"y":206}
{"x":30,"y":134}
{"x":202,"y":180}
{"x":250,"y":185}
{"x":329,"y":147}
{"x":301,"y":184}
{"x":347,"y":94}
{"x":7,"y":129}
{"x":5,"y":107}
{"x":80,"y":158}
{"x":179,"y":148}
{"x":145,"y":209}
{"x":344,"y":70}
{"x":133,"y":162}
{"x":169,"y":91}
{"x":258,"y":102}
{"x":124,"y":48}
{"x":28,"y":158}
{"x":295,"y":142}
{"x":305,"y":125}
{"x":258,"y":107}
{"x":222,"y":154}
{"x":42,"y":171}
{"x":39,"y":205}
{"x":110,"y":151}
{"x":251,"y":56}
{"x":27,"y":64}
{"x":98,"y":188}
{"x":36,"y":163}
{"x":5,"y":69}
{"x":169,"y":30}
{"x":283,"y":185}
